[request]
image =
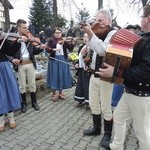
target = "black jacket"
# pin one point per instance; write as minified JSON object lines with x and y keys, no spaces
{"x":9,"y":48}
{"x":137,"y":77}
{"x":32,"y":51}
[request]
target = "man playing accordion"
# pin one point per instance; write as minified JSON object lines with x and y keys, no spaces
{"x":135,"y":102}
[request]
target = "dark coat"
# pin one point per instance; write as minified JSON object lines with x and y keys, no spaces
{"x":9,"y":48}
{"x":139,"y":71}
{"x":66,"y":46}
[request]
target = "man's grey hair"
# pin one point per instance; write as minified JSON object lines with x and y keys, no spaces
{"x":146,"y":10}
{"x":106,"y":13}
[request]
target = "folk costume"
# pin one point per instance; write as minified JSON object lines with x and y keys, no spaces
{"x":10,"y":99}
{"x":82,"y":87}
{"x":97,"y":87}
{"x":58,"y":73}
{"x":135,"y":101}
{"x":27,"y":68}
{"x":100,"y":91}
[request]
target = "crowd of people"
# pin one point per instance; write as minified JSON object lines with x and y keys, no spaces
{"x":132,"y":98}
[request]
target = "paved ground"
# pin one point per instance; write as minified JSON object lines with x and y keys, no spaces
{"x":57,"y":126}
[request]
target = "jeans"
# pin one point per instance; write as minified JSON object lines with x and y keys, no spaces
{"x":118,"y":90}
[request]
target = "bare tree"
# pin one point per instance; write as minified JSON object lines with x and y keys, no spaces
{"x":100,"y":4}
{"x":144,"y":2}
{"x":55,"y":15}
{"x":136,"y":2}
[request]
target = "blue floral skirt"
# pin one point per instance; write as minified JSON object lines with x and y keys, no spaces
{"x":10,"y":98}
{"x":58,"y":74}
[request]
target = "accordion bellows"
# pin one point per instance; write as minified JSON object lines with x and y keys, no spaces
{"x":120,"y":51}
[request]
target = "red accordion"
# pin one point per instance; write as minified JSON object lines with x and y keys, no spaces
{"x":119,"y":52}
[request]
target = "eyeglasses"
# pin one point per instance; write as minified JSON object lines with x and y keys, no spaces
{"x":57,"y":32}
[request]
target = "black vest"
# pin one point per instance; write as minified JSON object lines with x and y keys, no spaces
{"x":99,"y":59}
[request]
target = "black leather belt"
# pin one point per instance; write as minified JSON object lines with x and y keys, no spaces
{"x":138,"y":93}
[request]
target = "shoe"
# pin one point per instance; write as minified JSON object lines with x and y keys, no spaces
{"x":80,"y":104}
{"x":2,"y":123}
{"x":105,"y":142}
{"x":35,"y":106}
{"x":61,"y":96}
{"x":23,"y":107}
{"x":2,"y":128}
{"x":96,"y":128}
{"x":24,"y":103}
{"x":86,"y":105}
{"x":54,"y":97}
{"x":12,"y":124}
{"x":11,"y":121}
{"x":34,"y":101}
{"x":92,"y":131}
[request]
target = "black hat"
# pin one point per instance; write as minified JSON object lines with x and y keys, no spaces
{"x":130,"y":27}
{"x":138,"y":27}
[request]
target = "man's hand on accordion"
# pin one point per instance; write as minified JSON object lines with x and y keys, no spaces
{"x":106,"y":71}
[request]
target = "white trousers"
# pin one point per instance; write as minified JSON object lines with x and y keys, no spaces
{"x":26,"y":73}
{"x":139,"y":109}
{"x":100,"y":97}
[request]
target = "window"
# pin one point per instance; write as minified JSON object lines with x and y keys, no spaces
{"x":2,"y":25}
{"x":1,"y":13}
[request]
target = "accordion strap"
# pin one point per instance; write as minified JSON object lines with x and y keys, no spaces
{"x":117,"y":64}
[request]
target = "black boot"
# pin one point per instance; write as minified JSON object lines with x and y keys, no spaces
{"x":24,"y":103}
{"x":96,"y":129}
{"x":107,"y":134}
{"x":34,"y":101}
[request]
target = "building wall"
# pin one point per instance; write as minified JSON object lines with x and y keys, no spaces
{"x":2,"y":18}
